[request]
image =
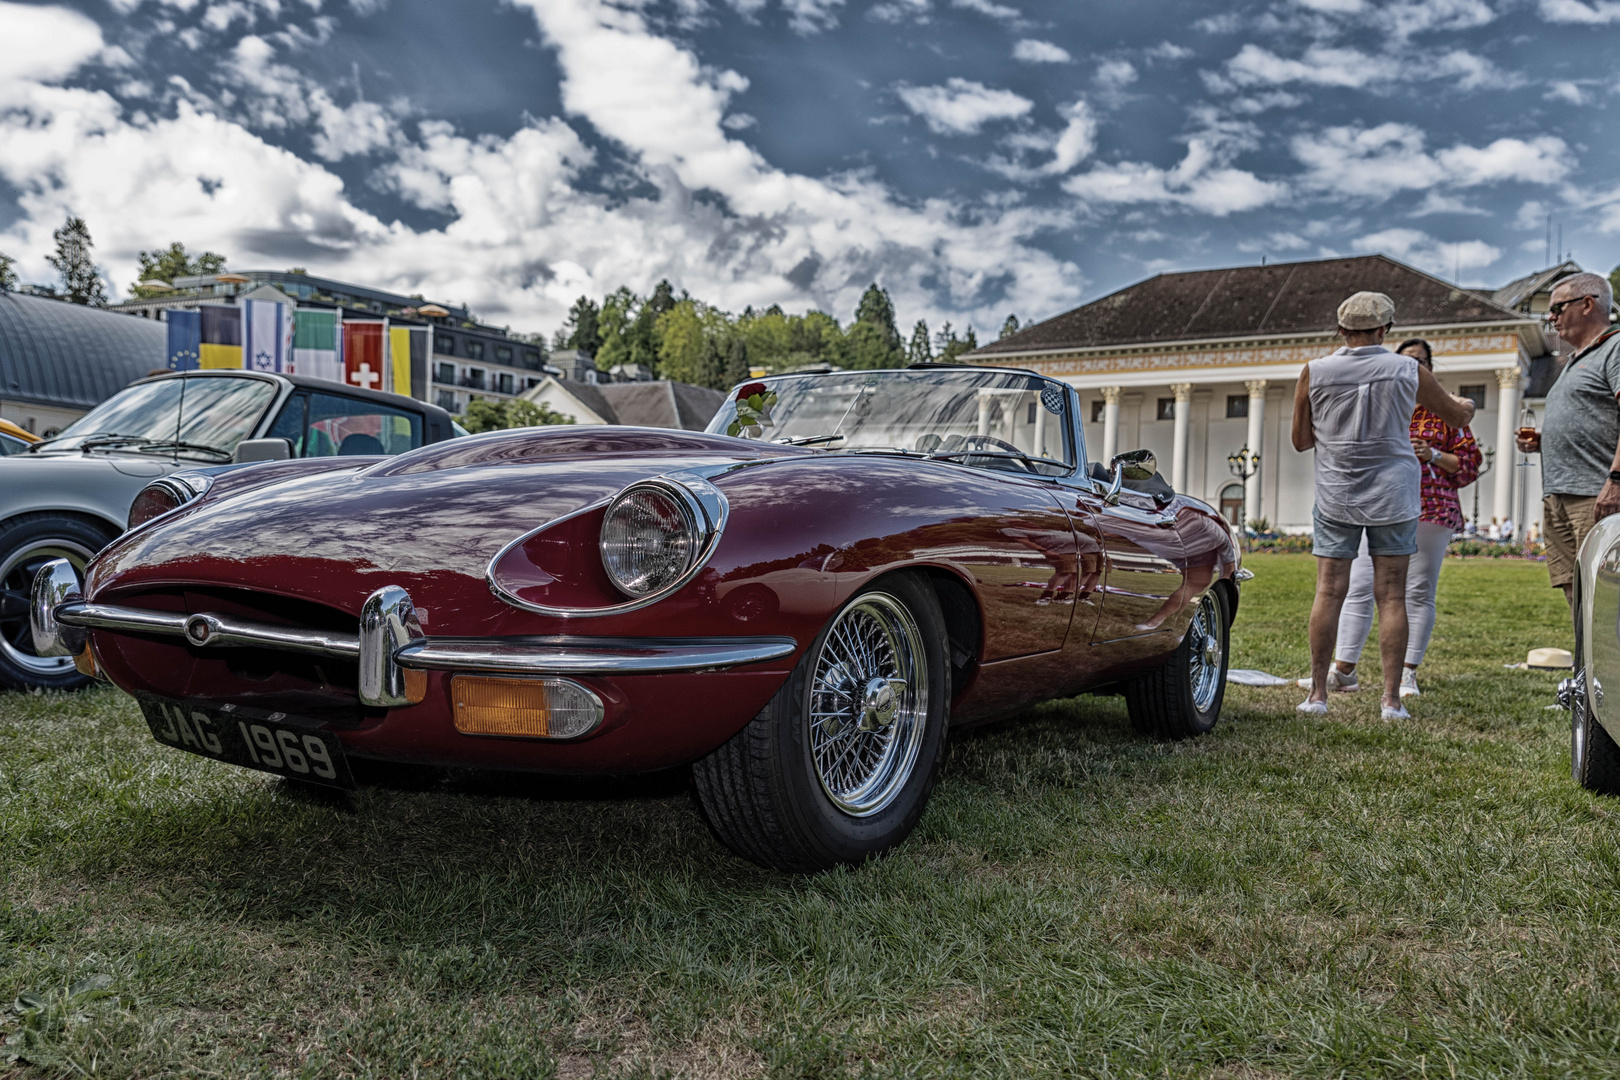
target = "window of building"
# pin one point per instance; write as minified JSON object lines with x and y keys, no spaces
{"x":1167,"y":408}
{"x":444,"y":343}
{"x":530,"y":384}
{"x":1237,"y":406}
{"x":531,"y":359}
{"x":447,"y":400}
{"x":1097,"y":408}
{"x":474,"y":378}
{"x":444,"y":373}
{"x":475,"y":350}
{"x":503,"y":354}
{"x":1474,"y":392}
{"x":503,"y":383}
{"x":1030,"y":418}
{"x":1232,"y":500}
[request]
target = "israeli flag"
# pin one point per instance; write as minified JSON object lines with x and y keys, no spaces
{"x":267,"y":335}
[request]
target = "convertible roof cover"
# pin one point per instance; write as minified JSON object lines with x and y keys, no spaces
{"x":68,"y":355}
{"x":1251,"y":301}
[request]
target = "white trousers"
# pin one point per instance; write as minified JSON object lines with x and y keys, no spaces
{"x":1422,"y":579}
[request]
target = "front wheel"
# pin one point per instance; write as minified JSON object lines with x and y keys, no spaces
{"x":1594,"y":759}
{"x":27,"y":543}
{"x":838,"y":766}
{"x":1183,"y":697}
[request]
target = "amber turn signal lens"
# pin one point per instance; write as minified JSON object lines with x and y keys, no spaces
{"x":524,"y":708}
{"x":86,"y":662}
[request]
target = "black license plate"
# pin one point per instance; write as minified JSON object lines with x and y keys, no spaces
{"x":269,"y":741}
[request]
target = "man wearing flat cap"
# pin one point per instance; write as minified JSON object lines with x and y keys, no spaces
{"x":1354,"y":408}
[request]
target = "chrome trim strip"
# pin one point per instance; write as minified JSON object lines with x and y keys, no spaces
{"x":56,"y":583}
{"x":388,"y":622}
{"x":524,"y":656}
{"x":692,"y":482}
{"x":583,"y":656}
{"x":208,"y":629}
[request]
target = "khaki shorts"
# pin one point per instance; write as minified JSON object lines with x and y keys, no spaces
{"x":1565,"y":519}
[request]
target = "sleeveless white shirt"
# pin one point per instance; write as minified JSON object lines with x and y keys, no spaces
{"x":1361,"y":410}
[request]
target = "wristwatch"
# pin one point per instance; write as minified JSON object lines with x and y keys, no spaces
{"x":1614,"y":476}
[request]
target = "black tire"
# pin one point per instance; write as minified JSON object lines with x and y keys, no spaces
{"x":27,"y":542}
{"x":1182,"y":697}
{"x":773,"y":793}
{"x":1594,"y":759}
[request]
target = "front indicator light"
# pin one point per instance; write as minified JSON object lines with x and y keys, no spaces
{"x":524,"y":708}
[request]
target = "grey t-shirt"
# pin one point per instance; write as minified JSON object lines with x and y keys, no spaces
{"x":1582,"y":425}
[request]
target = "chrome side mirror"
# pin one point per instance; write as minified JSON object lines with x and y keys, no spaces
{"x":1135,"y":465}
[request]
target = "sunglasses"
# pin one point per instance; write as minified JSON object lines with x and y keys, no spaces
{"x":1555,"y":310}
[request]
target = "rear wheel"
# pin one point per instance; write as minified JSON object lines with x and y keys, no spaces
{"x":27,"y":543}
{"x":1594,"y":759}
{"x":1183,"y":697}
{"x":838,"y":766}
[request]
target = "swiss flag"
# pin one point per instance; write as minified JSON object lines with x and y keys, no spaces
{"x":363,"y":354}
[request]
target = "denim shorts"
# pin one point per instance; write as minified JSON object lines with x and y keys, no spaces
{"x":1332,"y":540}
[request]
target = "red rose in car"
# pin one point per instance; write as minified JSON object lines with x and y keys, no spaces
{"x":749,"y":390}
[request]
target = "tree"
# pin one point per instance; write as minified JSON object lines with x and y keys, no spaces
{"x":958,"y":346}
{"x":919,"y":351}
{"x":1008,"y":328}
{"x":166,"y":264}
{"x":1614,"y":280}
{"x":483,"y":415}
{"x":876,"y":308}
{"x":8,"y":276}
{"x":81,"y":280}
{"x":683,"y":347}
{"x":581,"y":331}
{"x":614,"y":327}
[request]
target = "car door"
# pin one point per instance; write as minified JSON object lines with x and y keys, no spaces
{"x":1141,"y":565}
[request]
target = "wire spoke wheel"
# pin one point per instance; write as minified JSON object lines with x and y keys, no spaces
{"x":1205,"y":668}
{"x":17,"y":570}
{"x":868,"y":705}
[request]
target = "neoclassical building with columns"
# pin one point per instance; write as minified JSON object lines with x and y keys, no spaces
{"x":1198,"y":366}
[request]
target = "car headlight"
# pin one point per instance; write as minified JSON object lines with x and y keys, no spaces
{"x":652,"y":536}
{"x":165,"y":494}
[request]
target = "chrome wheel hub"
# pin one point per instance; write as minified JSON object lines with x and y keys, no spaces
{"x":868,"y":704}
{"x":1206,"y":666}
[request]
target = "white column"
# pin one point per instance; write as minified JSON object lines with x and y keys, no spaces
{"x":984,"y":413}
{"x":1507,"y":420}
{"x":1178,"y":464}
{"x":1040,"y":429}
{"x":1257,"y":420}
{"x":1110,"y":445}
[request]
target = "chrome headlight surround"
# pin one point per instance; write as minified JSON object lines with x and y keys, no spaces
{"x":695,"y":493}
{"x":698,"y":520}
{"x":166,"y":495}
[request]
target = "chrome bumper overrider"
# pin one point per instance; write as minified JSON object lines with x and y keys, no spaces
{"x":389,"y":643}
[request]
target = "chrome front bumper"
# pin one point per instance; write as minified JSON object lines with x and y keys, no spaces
{"x":389,"y":643}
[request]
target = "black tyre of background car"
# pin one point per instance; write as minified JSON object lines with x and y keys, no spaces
{"x":1182,"y":697}
{"x":27,"y":542}
{"x":1594,"y":759}
{"x":767,"y":793}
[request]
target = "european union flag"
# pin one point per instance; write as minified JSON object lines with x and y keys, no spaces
{"x":185,"y":340}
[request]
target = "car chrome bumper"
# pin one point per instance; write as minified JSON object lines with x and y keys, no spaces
{"x":390,"y":642}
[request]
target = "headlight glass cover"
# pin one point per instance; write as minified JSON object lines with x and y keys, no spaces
{"x":651,"y":535}
{"x":165,"y":494}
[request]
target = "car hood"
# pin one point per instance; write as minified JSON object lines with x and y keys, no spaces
{"x":98,"y":484}
{"x":429,"y":521}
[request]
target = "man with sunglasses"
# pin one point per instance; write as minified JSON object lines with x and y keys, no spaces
{"x":1580,"y":433}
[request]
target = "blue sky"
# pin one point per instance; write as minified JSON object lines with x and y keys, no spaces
{"x":977,"y":157}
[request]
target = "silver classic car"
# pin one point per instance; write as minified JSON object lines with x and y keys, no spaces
{"x":69,"y":496}
{"x":1595,"y":721}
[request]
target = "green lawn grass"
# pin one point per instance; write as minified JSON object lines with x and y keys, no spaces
{"x":1286,"y":897}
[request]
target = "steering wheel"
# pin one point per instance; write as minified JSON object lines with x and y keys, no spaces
{"x":958,"y":444}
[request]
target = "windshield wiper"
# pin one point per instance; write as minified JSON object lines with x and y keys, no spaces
{"x":808,"y":440}
{"x":176,"y":444}
{"x":1019,"y":454}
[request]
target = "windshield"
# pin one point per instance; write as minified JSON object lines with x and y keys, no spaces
{"x":218,"y":414}
{"x":993,"y":419}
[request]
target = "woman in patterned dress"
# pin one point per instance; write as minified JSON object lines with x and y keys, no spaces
{"x":1450,"y":460}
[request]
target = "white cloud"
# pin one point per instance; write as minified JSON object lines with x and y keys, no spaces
{"x":1337,"y":7}
{"x":1115,"y":74}
{"x":1068,"y":147}
{"x":1593,"y":13}
{"x":1277,"y":241}
{"x":812,"y":16}
{"x":1381,"y":161}
{"x":1323,"y":65}
{"x":961,"y":106}
{"x":1034,"y":51}
{"x":988,"y":7}
{"x":1436,"y":203}
{"x":900,"y":11}
{"x":1201,"y":182}
{"x":1438,"y":257}
{"x":1564,"y":90}
{"x":1167,"y":51}
{"x":45,"y":44}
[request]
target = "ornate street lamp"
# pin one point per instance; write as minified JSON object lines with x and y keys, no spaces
{"x":1243,"y":465}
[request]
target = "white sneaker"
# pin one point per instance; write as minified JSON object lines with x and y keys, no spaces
{"x":1337,"y":682}
{"x":1313,"y":708}
{"x":1397,"y":713}
{"x":1409,"y":686}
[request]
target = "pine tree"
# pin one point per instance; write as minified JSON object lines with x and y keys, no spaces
{"x":919,"y":351}
{"x":8,"y":276}
{"x":81,"y":280}
{"x":1008,"y":328}
{"x":876,"y":308}
{"x":581,"y":331}
{"x":166,"y":264}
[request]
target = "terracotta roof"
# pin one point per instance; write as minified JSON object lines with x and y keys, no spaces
{"x":71,"y":356}
{"x":1251,"y":301}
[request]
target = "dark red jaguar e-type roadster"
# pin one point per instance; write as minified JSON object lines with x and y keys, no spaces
{"x":799,"y":602}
